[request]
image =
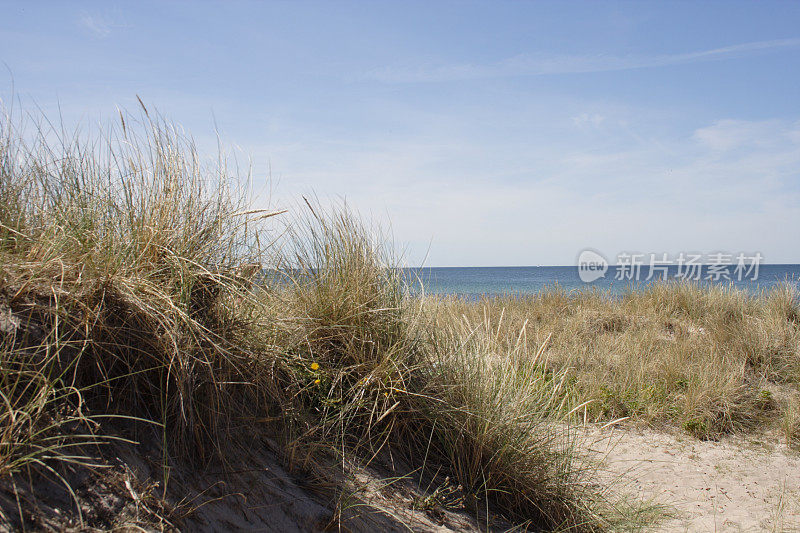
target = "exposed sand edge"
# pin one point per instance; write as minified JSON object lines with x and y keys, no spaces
{"x":740,"y":483}
{"x":253,"y":492}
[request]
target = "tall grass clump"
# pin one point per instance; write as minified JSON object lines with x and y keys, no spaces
{"x":134,"y":284}
{"x":495,"y":421}
{"x":344,"y":331}
{"x":451,"y":397}
{"x":122,"y":252}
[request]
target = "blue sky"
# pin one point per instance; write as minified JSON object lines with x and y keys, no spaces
{"x":485,"y":133}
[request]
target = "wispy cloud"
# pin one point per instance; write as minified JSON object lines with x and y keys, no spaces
{"x":546,"y":64}
{"x":99,"y":25}
{"x":724,"y":185}
{"x":740,"y":135}
{"x":588,"y":120}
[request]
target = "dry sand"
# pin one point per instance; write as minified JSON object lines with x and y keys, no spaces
{"x":741,"y":483}
{"x":747,"y":483}
{"x":744,"y":483}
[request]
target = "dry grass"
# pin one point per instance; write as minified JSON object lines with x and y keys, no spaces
{"x":374,"y":375}
{"x":709,"y":360}
{"x":129,"y":287}
{"x":493,"y":423}
{"x":791,"y":423}
{"x":118,"y":259}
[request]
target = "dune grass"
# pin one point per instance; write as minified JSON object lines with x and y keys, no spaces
{"x":137,"y":281}
{"x":131,"y":287}
{"x":373,"y":375}
{"x":710,"y":360}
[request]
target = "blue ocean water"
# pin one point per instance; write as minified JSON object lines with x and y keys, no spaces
{"x":472,"y":282}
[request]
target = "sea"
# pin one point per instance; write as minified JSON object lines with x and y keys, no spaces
{"x":475,"y":282}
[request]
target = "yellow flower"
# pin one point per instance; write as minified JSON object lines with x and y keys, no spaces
{"x":316,"y":382}
{"x":314,"y":366}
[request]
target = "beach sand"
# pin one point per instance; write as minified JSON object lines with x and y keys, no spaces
{"x":740,"y":483}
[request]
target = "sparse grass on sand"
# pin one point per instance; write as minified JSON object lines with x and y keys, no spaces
{"x":132,"y":286}
{"x":710,"y":360}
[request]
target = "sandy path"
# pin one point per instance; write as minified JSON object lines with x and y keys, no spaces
{"x":737,"y":484}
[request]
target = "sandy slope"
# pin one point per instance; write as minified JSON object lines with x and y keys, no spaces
{"x":254,"y":492}
{"x":263,"y":496}
{"x":737,"y":484}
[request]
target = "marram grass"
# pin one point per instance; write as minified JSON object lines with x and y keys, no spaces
{"x":708,"y":360}
{"x":132,"y":286}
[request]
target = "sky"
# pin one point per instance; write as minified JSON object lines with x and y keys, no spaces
{"x":476,"y":133}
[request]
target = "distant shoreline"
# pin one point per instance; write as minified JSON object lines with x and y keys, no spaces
{"x":476,"y":281}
